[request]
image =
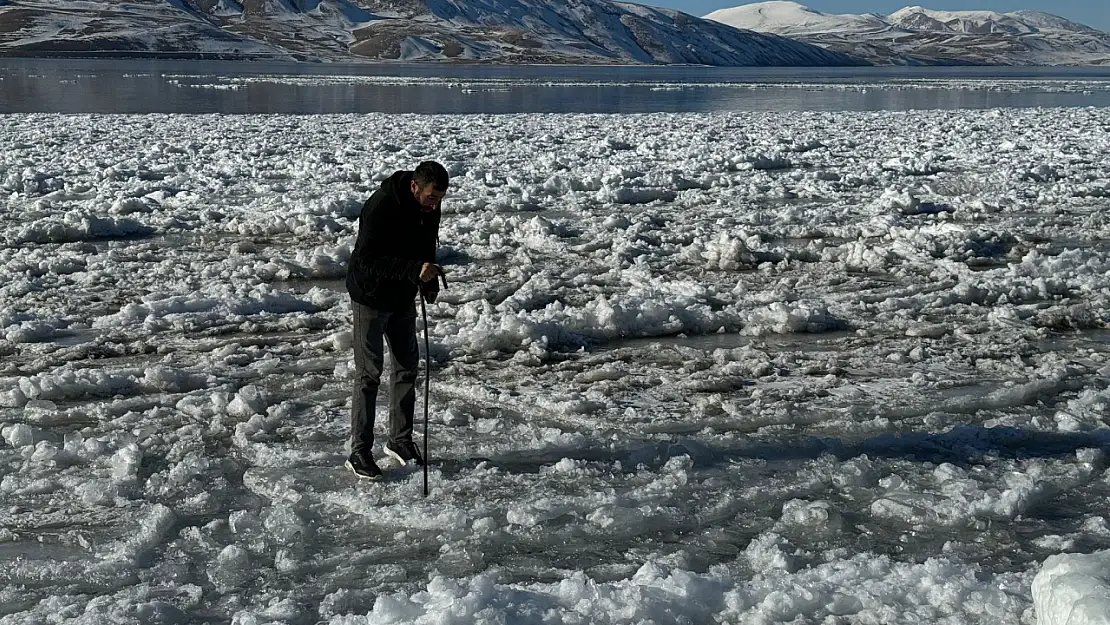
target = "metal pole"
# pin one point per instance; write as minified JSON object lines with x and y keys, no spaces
{"x":428,"y":376}
{"x":427,"y":379}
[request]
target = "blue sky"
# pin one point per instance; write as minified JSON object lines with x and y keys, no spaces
{"x":1094,"y":13}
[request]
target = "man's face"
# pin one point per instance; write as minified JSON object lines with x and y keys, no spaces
{"x":427,"y":196}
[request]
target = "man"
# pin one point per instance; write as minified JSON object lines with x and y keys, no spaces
{"x":393,"y":259}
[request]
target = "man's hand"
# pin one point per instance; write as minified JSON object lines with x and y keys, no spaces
{"x":430,"y":271}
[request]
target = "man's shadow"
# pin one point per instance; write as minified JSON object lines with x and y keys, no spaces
{"x":964,"y":446}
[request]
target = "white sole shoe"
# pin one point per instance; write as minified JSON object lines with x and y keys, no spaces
{"x":360,"y":476}
{"x":392,"y":454}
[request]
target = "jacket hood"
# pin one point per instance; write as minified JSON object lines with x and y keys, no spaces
{"x":398,"y":186}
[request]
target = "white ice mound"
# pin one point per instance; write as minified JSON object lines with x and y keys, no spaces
{"x":728,"y":253}
{"x":1073,"y":589}
{"x":863,"y":589}
{"x":789,"y":317}
{"x":249,"y":401}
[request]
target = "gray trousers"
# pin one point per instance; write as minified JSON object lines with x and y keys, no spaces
{"x":399,"y":329}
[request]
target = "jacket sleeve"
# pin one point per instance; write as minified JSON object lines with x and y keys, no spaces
{"x":379,"y":215}
{"x":394,"y":268}
{"x":431,"y":242}
{"x":432,"y":232}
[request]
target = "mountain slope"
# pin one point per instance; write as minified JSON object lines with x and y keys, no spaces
{"x":919,"y":36}
{"x":1048,"y":21}
{"x":141,"y":26}
{"x":538,"y":31}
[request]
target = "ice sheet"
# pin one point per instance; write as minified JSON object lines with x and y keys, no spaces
{"x":767,"y":368}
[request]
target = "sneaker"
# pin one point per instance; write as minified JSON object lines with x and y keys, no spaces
{"x":363,"y":466}
{"x":404,"y":452}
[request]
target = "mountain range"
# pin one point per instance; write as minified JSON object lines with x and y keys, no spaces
{"x":503,"y":31}
{"x":919,"y":36}
{"x":541,"y":31}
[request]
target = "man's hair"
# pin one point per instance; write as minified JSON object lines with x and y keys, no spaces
{"x":431,"y":172}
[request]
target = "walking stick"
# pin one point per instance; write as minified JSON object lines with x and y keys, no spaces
{"x":427,"y":375}
{"x":427,"y":380}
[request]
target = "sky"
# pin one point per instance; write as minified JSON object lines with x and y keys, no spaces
{"x":1094,"y":13}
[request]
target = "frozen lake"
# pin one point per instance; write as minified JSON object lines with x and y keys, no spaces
{"x":161,"y":86}
{"x":737,"y":366}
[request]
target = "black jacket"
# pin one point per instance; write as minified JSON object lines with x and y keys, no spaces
{"x":395,"y":239}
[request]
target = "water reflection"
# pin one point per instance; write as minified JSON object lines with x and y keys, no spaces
{"x":159,"y":86}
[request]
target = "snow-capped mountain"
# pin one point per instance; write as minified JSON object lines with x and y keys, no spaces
{"x":791,"y":18}
{"x":916,"y":35}
{"x":537,"y":31}
{"x":983,"y":22}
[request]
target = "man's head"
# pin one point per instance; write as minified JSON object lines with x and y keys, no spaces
{"x":429,"y":184}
